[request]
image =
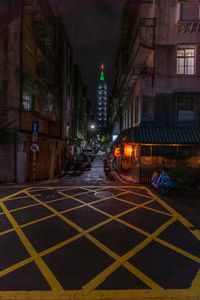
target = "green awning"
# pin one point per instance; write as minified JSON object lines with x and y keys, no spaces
{"x":160,"y":135}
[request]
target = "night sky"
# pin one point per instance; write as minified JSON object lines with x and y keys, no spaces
{"x":93,"y":28}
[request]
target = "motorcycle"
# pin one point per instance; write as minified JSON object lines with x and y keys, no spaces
{"x":107,"y":168}
{"x":163,"y":182}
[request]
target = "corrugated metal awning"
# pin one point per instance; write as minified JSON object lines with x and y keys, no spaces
{"x":159,"y":135}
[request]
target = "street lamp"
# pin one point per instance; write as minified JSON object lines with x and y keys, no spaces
{"x":91,"y":132}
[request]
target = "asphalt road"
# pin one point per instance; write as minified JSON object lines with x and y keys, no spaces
{"x":102,"y":241}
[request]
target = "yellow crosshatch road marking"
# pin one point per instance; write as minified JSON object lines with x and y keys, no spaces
{"x":54,"y":284}
{"x":20,"y":197}
{"x":87,"y":292}
{"x":144,"y":206}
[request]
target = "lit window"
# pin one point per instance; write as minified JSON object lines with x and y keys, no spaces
{"x":186,"y":61}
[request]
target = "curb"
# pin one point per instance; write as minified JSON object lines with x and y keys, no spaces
{"x":124,"y":180}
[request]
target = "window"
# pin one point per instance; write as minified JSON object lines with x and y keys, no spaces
{"x":187,"y":11}
{"x":186,"y":61}
{"x":185,"y":108}
{"x":28,"y":93}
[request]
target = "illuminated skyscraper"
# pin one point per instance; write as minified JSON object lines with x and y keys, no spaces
{"x":102,"y":101}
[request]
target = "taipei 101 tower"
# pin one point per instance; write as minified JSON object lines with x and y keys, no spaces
{"x":102,"y":102}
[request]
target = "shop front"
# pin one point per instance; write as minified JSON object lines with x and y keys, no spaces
{"x":140,"y":151}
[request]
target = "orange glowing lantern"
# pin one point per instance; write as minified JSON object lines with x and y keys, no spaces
{"x":117,"y":152}
{"x":128,"y":150}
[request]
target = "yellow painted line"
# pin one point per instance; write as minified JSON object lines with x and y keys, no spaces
{"x":39,"y":189}
{"x":6,"y":231}
{"x":56,"y":213}
{"x":51,"y":249}
{"x":196,"y":282}
{"x":36,"y":221}
{"x":36,"y":204}
{"x":188,"y":225}
{"x":103,"y":212}
{"x":179,"y":250}
{"x":88,"y":236}
{"x":116,"y":217}
{"x":143,"y":205}
{"x":31,"y":205}
{"x":119,"y":261}
{"x":40,"y":219}
{"x":83,"y":233}
{"x":61,"y":244}
{"x":93,"y":208}
{"x":15,"y":267}
{"x":163,"y":203}
{"x":168,"y":245}
{"x":115,"y":197}
{"x":22,"y":208}
{"x":49,"y":216}
{"x":147,"y":280}
{"x":102,"y":295}
{"x":20,"y":197}
{"x":123,"y":260}
{"x":78,"y":194}
{"x":53,"y":283}
{"x":13,"y":194}
{"x":89,"y":205}
{"x":182,"y":219}
{"x":158,"y":211}
{"x":138,"y":194}
{"x":95,"y":282}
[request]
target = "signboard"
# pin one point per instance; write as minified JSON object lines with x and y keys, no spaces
{"x":34,"y":147}
{"x":114,"y":136}
{"x":117,"y":152}
{"x":35,"y":126}
{"x":128,"y":150}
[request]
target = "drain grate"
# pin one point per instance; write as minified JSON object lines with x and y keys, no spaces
{"x":103,"y":194}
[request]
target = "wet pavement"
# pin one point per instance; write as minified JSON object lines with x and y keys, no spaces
{"x":102,"y":241}
{"x":94,"y":176}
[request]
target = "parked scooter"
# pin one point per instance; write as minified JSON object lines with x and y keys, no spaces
{"x":107,"y":167}
{"x":162,"y":182}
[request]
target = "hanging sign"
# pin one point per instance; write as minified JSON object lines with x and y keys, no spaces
{"x":128,"y":150}
{"x":117,"y":152}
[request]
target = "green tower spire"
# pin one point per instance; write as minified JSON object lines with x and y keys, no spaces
{"x":102,"y":77}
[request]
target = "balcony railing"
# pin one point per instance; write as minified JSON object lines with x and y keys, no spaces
{"x":44,"y":24}
{"x":188,"y":26}
{"x":147,"y":32}
{"x":132,"y":78}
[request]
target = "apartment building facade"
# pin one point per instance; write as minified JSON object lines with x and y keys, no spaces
{"x":35,"y":88}
{"x":158,"y":67}
{"x":81,"y":110}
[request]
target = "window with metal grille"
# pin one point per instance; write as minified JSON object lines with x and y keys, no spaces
{"x":185,"y":108}
{"x":28,"y":93}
